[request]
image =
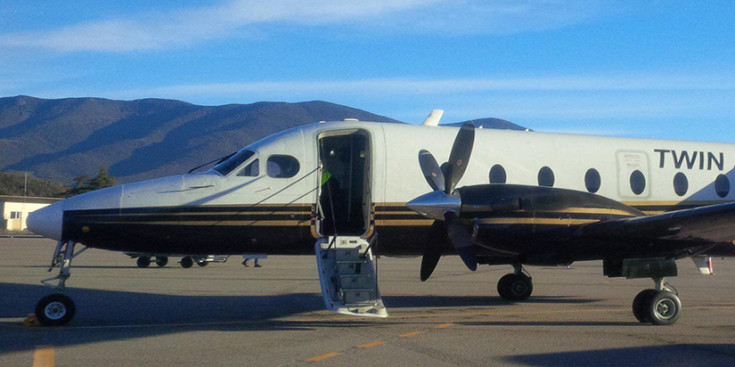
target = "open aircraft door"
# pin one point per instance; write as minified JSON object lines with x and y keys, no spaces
{"x":344,"y":223}
{"x":344,"y":197}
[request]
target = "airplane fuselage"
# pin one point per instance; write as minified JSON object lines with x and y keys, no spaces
{"x":273,"y":200}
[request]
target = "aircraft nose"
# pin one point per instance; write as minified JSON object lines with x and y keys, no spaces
{"x":47,"y":221}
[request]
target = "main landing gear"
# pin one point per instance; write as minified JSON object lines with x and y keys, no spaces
{"x":58,"y":309}
{"x":145,"y":261}
{"x":516,"y":286}
{"x":657,"y":306}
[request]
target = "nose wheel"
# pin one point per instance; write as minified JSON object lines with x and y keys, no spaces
{"x":55,"y":310}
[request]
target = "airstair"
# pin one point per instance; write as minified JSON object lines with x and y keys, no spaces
{"x":348,"y":276}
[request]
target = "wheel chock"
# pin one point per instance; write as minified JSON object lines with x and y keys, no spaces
{"x":31,"y":321}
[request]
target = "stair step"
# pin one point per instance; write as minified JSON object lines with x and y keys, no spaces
{"x":355,"y":268}
{"x":348,"y":277}
{"x":359,"y":296}
{"x":357,"y":281}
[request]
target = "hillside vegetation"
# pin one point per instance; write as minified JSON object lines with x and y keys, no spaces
{"x":64,"y":139}
{"x":13,"y":183}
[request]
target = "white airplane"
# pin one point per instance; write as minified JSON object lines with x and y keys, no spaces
{"x":330,"y":188}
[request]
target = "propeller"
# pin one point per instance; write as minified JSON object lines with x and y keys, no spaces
{"x":432,"y":172}
{"x":460,"y":156}
{"x":443,"y":203}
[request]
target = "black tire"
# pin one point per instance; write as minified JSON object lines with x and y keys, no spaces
{"x":144,"y":261}
{"x":202,"y":263}
{"x":55,"y":310}
{"x":161,"y":261}
{"x":186,"y":262}
{"x":515,"y":287}
{"x":503,"y":286}
{"x":663,"y":308}
{"x":640,"y":302}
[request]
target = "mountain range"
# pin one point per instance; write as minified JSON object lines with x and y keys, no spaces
{"x":60,"y":139}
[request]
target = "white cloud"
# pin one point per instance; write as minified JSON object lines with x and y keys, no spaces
{"x":190,"y":26}
{"x":560,"y":98}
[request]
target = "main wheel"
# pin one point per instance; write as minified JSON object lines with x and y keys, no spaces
{"x":640,"y":302}
{"x":663,"y":308}
{"x":144,"y":261}
{"x":55,"y":309}
{"x":186,"y":262}
{"x":202,"y":263}
{"x":515,"y":287}
{"x":161,"y":261}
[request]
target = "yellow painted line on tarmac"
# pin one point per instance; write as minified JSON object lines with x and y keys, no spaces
{"x":371,"y":344}
{"x":322,"y":357}
{"x":443,"y":326}
{"x":43,"y":356}
{"x":413,"y":333}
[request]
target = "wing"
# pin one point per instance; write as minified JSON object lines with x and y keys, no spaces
{"x":711,"y":224}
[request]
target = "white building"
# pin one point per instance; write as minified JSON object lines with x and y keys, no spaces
{"x":15,"y":210}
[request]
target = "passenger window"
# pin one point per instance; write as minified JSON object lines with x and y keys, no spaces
{"x":282,"y":166}
{"x":251,"y":170}
{"x":681,"y":184}
{"x":497,"y":174}
{"x":637,"y":182}
{"x":592,"y":180}
{"x":546,"y":177}
{"x":722,"y":186}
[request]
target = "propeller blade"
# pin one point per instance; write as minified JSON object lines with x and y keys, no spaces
{"x":428,"y":263}
{"x":432,"y":173}
{"x":460,"y":156}
{"x":461,"y":240}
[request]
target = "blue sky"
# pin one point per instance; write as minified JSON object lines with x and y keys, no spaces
{"x":657,"y":69}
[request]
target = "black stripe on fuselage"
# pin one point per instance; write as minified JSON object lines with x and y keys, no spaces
{"x":272,"y":229}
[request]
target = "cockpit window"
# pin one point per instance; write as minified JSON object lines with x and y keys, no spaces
{"x":282,"y":166}
{"x":233,"y":162}
{"x":251,"y":170}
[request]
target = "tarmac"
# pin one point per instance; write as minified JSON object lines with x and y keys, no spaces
{"x":225,"y":314}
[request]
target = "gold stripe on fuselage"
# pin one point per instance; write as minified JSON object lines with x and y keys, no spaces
{"x":396,"y":213}
{"x":538,"y":221}
{"x":403,"y":222}
{"x":194,"y":213}
{"x":256,"y":223}
{"x":574,"y":210}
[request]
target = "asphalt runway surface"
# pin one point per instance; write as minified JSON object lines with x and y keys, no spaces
{"x":225,"y":314}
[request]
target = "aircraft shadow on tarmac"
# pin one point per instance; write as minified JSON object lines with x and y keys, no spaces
{"x":92,"y":266}
{"x":662,"y":355}
{"x":110,"y":315}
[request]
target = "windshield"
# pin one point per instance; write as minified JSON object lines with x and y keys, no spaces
{"x":233,"y":162}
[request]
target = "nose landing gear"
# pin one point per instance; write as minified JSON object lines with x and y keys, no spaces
{"x":58,"y":309}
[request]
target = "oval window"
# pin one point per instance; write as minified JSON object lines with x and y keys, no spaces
{"x":637,"y":182}
{"x":546,"y":177}
{"x":592,"y":180}
{"x":722,"y":186}
{"x":497,"y":174}
{"x":681,"y":184}
{"x":282,"y":166}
